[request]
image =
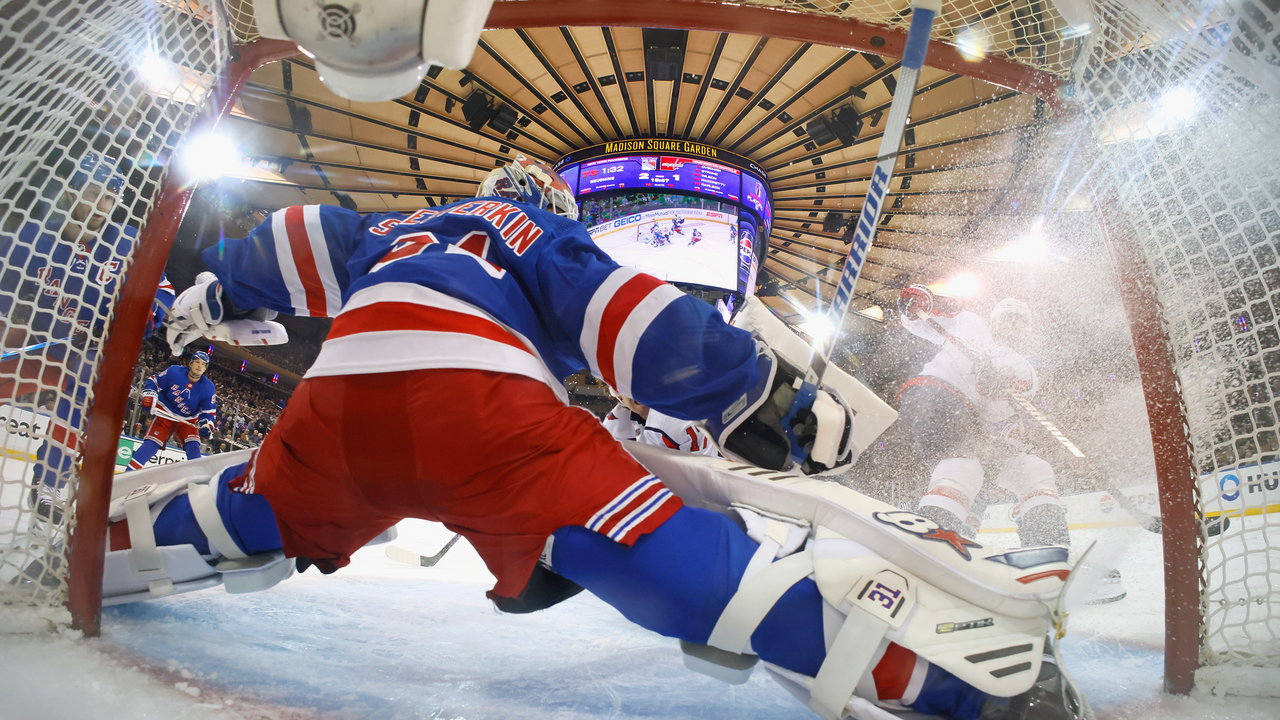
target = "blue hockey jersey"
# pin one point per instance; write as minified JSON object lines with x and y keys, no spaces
{"x":491,"y":285}
{"x":69,"y":285}
{"x":177,"y":398}
{"x":60,"y":286}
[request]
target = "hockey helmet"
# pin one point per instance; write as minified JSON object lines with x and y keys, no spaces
{"x":101,"y":170}
{"x":202,"y":356}
{"x":1010,"y":318}
{"x":527,"y":180}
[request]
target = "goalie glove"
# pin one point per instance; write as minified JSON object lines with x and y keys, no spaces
{"x":783,"y":423}
{"x":203,"y":311}
{"x":195,"y":312}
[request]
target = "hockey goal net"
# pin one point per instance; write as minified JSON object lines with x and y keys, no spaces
{"x":97,"y":98}
{"x":1172,"y":106}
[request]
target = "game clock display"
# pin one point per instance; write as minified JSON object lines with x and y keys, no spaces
{"x":663,"y":172}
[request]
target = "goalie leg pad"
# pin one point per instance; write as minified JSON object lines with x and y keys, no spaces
{"x":981,"y":615}
{"x":1015,"y":582}
{"x":191,"y":533}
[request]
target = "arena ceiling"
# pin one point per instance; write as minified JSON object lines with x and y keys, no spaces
{"x":748,"y":79}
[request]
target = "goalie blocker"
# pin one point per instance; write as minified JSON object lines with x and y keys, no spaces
{"x":782,"y":424}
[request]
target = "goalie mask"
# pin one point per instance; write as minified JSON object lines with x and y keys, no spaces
{"x":529,"y":181}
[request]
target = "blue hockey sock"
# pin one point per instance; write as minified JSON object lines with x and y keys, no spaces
{"x":677,"y":580}
{"x":947,"y":695}
{"x":193,"y":449}
{"x":144,"y":452}
{"x":248,"y":518}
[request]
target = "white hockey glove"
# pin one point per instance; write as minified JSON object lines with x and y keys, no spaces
{"x":202,"y":311}
{"x":195,"y":312}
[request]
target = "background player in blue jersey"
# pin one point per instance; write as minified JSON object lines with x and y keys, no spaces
{"x":469,"y":315}
{"x":182,"y":402}
{"x":64,"y":265}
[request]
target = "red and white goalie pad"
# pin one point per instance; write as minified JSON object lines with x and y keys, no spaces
{"x":978,"y":611}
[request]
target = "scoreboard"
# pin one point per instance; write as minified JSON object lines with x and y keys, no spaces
{"x":687,"y":213}
{"x":669,"y":166}
{"x":666,"y":172}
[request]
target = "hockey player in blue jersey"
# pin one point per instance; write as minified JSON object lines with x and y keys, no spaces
{"x":469,"y":315}
{"x":64,"y":266}
{"x":182,"y":402}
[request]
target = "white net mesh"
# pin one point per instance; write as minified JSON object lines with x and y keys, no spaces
{"x":96,"y":97}
{"x":1183,"y":102}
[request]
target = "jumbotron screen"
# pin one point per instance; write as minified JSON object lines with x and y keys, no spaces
{"x":684,"y":219}
{"x":677,"y":238}
{"x":660,"y":171}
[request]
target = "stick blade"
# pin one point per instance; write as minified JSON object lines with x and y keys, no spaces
{"x":404,"y":555}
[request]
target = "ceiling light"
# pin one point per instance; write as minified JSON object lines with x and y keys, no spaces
{"x":211,"y":156}
{"x":872,"y":312}
{"x":960,"y":285}
{"x":157,"y":73}
{"x":973,"y":43}
{"x":818,"y":328}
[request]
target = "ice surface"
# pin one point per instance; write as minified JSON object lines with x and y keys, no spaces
{"x":385,"y":640}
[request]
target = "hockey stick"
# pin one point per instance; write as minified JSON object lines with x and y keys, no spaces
{"x":36,"y":346}
{"x":922,"y":15}
{"x":409,"y":557}
{"x":1145,"y":520}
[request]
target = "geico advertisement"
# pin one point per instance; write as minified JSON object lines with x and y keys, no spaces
{"x":1245,"y":490}
{"x":660,"y":214}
